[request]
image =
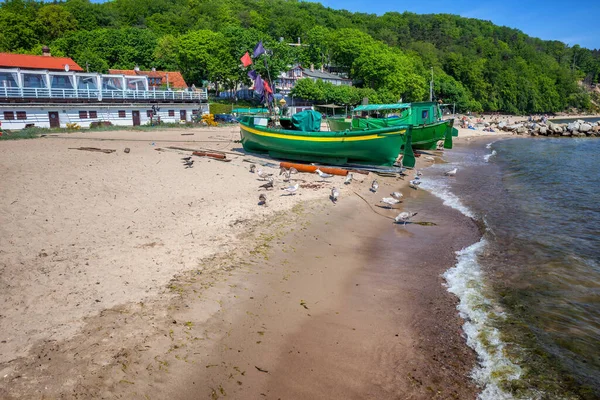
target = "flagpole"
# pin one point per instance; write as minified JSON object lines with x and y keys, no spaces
{"x":270,"y":81}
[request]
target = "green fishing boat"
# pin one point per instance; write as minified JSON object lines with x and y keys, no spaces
{"x":300,"y":138}
{"x":428,"y":127}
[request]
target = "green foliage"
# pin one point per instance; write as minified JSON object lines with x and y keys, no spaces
{"x":478,"y":65}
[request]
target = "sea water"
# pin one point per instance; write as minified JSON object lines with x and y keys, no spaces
{"x":529,"y":290}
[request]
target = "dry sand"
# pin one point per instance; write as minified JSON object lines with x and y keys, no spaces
{"x":126,"y":275}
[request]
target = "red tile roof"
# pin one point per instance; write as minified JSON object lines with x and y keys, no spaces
{"x":176,"y":81}
{"x":26,"y":61}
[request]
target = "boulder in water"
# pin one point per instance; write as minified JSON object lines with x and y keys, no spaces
{"x":543,"y":130}
{"x":584,"y":127}
{"x":573,"y":127}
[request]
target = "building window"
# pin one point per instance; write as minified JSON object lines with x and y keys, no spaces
{"x":171,"y":113}
{"x":21,"y":115}
{"x":9,"y":115}
{"x":93,"y":114}
{"x":122,"y":114}
{"x":149,"y":113}
{"x":82,"y":114}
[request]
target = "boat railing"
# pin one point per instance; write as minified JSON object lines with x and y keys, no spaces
{"x":96,"y":94}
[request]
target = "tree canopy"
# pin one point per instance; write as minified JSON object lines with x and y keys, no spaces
{"x":476,"y":64}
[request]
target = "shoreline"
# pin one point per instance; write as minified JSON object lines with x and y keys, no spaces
{"x":149,"y":345}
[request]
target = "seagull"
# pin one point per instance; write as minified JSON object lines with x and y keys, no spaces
{"x":189,"y":164}
{"x":396,"y":195}
{"x":374,"y":186}
{"x":322,"y":174}
{"x":262,"y":199}
{"x":451,"y":172}
{"x":287,"y":173}
{"x":268,"y":185}
{"x":252,"y":168}
{"x":263,"y":175}
{"x":349,"y":178}
{"x":404,"y":217}
{"x":390,"y":201}
{"x":291,"y":189}
{"x":186,"y":158}
{"x":334,"y":194}
{"x":418,"y":173}
{"x":414,"y":184}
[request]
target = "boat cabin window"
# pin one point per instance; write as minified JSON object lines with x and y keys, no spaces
{"x":425,"y":114}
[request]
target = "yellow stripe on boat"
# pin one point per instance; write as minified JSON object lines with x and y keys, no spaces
{"x":323,"y":139}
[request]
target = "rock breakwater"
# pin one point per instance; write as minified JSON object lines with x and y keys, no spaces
{"x":578,"y":128}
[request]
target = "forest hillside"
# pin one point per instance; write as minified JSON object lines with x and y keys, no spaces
{"x":476,"y":64}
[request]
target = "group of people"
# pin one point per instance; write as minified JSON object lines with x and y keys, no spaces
{"x":543,"y":119}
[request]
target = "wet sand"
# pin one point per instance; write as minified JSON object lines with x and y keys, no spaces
{"x":358,"y":310}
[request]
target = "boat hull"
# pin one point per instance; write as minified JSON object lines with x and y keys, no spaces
{"x":426,"y":137}
{"x":379,"y":147}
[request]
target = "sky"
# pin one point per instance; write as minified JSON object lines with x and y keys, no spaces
{"x":572,"y":22}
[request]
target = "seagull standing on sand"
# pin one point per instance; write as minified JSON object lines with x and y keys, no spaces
{"x":389,"y":201}
{"x":451,"y":172}
{"x":262,"y":199}
{"x":418,"y":173}
{"x":252,"y":168}
{"x":189,"y":164}
{"x":322,"y":174}
{"x":349,"y":178}
{"x":269,"y":184}
{"x":291,"y":189}
{"x":334,"y":194}
{"x":186,"y":158}
{"x":404,"y":217}
{"x":374,"y":186}
{"x":263,"y":175}
{"x":396,"y":195}
{"x":414,"y":184}
{"x":287,"y":173}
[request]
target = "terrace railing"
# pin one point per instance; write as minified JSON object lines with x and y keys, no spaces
{"x":95,"y":94}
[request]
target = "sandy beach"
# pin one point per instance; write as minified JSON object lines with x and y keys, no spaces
{"x":126,"y":275}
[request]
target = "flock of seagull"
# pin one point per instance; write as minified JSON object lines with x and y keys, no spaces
{"x":389,"y":202}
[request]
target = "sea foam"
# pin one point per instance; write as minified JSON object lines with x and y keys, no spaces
{"x":441,"y":190}
{"x":486,"y":158}
{"x":465,"y":280}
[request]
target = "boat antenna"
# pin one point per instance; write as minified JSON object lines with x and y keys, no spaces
{"x":431,"y":86}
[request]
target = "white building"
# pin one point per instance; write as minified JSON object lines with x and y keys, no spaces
{"x":287,"y":80}
{"x":49,"y":92}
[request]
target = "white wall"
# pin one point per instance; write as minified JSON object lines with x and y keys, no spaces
{"x":69,"y":113}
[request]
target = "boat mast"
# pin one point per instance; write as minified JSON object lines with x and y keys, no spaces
{"x":431,"y":86}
